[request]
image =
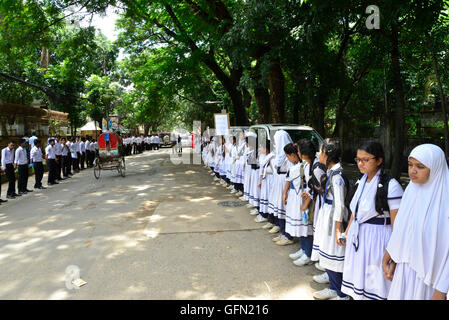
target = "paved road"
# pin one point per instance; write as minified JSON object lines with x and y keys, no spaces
{"x":158,"y":233}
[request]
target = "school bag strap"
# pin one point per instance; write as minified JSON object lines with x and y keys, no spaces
{"x":346,"y":201}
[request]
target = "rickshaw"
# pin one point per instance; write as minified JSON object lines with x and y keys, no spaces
{"x":110,"y":155}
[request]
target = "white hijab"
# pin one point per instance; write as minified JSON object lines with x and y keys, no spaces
{"x":281,"y":139}
{"x":421,"y":230}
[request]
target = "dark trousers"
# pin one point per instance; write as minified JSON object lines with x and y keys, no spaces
{"x":335,"y":281}
{"x":65,"y":166}
{"x":22,"y":177}
{"x":282,"y":226}
{"x":75,"y":164}
{"x":11,"y":179}
{"x":78,"y":160}
{"x":306,"y":245}
{"x":59,"y":167}
{"x":52,"y":171}
{"x":83,"y":159}
{"x":38,"y":174}
{"x":273,"y":220}
{"x":69,"y":164}
{"x":87,"y":158}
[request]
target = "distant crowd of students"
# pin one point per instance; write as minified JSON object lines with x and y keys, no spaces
{"x":372,"y":240}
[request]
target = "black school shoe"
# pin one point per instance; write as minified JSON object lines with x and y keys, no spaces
{"x":29,"y":190}
{"x":1,"y":200}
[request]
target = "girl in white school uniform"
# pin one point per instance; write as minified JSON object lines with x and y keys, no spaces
{"x":247,"y":166}
{"x":255,"y":184}
{"x":307,"y":153}
{"x":292,"y":194}
{"x":372,"y":217}
{"x":228,"y":161}
{"x":218,"y":153}
{"x":265,"y":184}
{"x":330,"y":220}
{"x":239,"y":177}
{"x":233,"y":165}
{"x":222,"y":170}
{"x":417,"y":256}
{"x":281,"y":139}
{"x":211,"y":155}
{"x":252,"y":165}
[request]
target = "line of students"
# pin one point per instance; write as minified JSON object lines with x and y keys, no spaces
{"x":62,"y":155}
{"x":138,"y":144}
{"x":372,"y":240}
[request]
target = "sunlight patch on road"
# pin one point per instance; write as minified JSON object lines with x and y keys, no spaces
{"x":58,"y":295}
{"x":151,"y":233}
{"x":300,"y":292}
{"x":201,"y":199}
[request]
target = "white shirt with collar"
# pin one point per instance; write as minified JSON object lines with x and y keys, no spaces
{"x":65,"y":149}
{"x":21,"y":156}
{"x":58,"y":148}
{"x":36,"y":154}
{"x":50,"y":152}
{"x":7,"y":157}
{"x":82,"y":146}
{"x":86,"y":145}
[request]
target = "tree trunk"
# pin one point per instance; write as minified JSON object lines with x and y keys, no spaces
{"x":262,"y":97}
{"x":442,"y":95}
{"x":277,"y":91}
{"x":399,"y":140}
{"x":385,"y":125}
{"x":146,"y":128}
{"x":319,"y":105}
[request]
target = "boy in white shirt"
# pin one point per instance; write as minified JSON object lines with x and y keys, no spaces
{"x":36,"y":162}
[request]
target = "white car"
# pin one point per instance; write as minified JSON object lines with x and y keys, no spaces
{"x":296,"y":132}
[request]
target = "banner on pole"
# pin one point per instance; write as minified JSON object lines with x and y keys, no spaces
{"x":221,"y":124}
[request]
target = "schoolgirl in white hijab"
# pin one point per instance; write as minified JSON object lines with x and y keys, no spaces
{"x":266,"y":185}
{"x":239,"y":177}
{"x":247,"y":167}
{"x":281,"y":139}
{"x":417,"y":257}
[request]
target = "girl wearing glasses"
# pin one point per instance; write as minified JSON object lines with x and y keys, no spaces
{"x":417,"y":257}
{"x":372,"y":216}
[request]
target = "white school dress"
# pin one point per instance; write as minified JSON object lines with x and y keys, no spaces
{"x":247,"y":174}
{"x":233,"y":162}
{"x":363,"y":277}
{"x":294,"y":224}
{"x":228,"y":160}
{"x":255,"y":181}
{"x":266,"y":177}
{"x":210,"y":154}
{"x":279,"y":181}
{"x":331,"y":256}
{"x":317,"y":172}
{"x":222,"y":167}
{"x":218,"y":158}
{"x":239,"y":174}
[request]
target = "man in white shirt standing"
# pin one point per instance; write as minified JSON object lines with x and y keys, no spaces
{"x":58,"y":153}
{"x":86,"y":146}
{"x":50,"y":156}
{"x":21,"y":161}
{"x":156,"y":141}
{"x":8,"y":166}
{"x":36,"y":162}
{"x":74,"y":155}
{"x":32,"y":139}
{"x":82,"y":152}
